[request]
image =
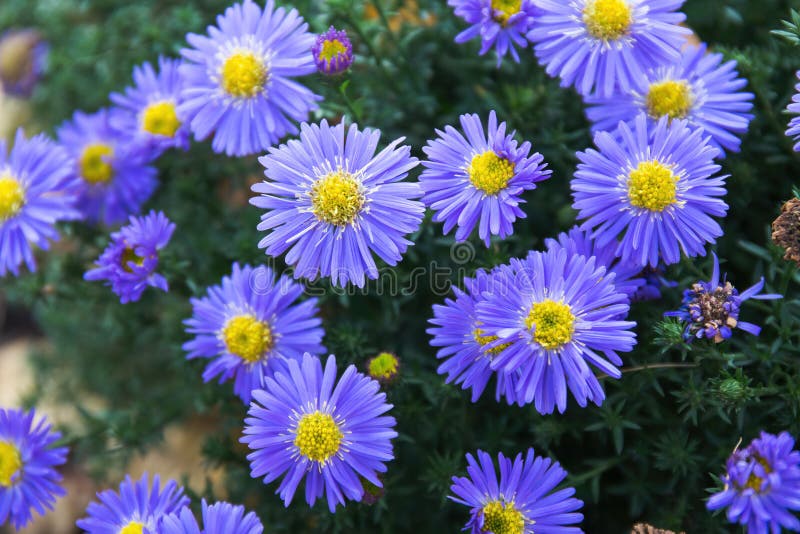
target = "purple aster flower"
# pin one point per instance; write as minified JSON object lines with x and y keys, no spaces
{"x":23,"y":58}
{"x":555,"y":314}
{"x":711,"y":309}
{"x":28,"y":478}
{"x":130,"y":261}
{"x":332,"y":202}
{"x":501,"y":24}
{"x":239,"y":82}
{"x":137,"y":508}
{"x":626,"y":275}
{"x":522,"y":501}
{"x":606,"y":45}
{"x":37,"y":189}
{"x":654,"y":185}
{"x":247,"y":325}
{"x":479,"y":179}
{"x":457,"y":330}
{"x":115,"y":175}
{"x":333,"y":53}
{"x":794,"y":124}
{"x":762,"y":485}
{"x":698,"y":88}
{"x":305,"y":424}
{"x":219,"y":518}
{"x":148,"y":111}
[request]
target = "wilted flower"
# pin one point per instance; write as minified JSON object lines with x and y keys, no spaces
{"x":384,"y":367}
{"x":786,"y":230}
{"x":23,"y":56}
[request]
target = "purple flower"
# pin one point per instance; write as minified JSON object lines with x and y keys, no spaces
{"x":762,"y":485}
{"x":333,"y":53}
{"x":23,"y":58}
{"x":130,"y":261}
{"x":794,"y":124}
{"x":654,"y":280}
{"x":479,"y":179}
{"x":218,"y":518}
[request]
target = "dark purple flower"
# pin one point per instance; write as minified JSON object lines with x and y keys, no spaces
{"x":23,"y":57}
{"x":333,"y":53}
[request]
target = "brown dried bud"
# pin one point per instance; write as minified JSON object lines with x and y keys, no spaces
{"x":786,"y":230}
{"x":643,"y":528}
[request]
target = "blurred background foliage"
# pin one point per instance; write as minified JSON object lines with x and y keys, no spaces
{"x":648,"y":453}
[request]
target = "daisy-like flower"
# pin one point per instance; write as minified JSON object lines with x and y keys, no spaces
{"x":239,"y":78}
{"x":115,"y":175}
{"x":606,"y":45}
{"x":305,"y":424}
{"x":148,"y":111}
{"x":137,"y":508}
{"x":699,"y":88}
{"x":501,"y":24}
{"x":461,"y":338}
{"x":711,"y":309}
{"x":333,"y":52}
{"x":28,"y":477}
{"x":655,"y":185}
{"x":129,"y":263}
{"x":37,"y":189}
{"x":627,"y":277}
{"x":248,"y":324}
{"x":479,"y":179}
{"x":23,"y":58}
{"x":794,"y":124}
{"x":218,"y":518}
{"x":332,"y":202}
{"x":556,"y":314}
{"x":522,"y":501}
{"x":762,"y":485}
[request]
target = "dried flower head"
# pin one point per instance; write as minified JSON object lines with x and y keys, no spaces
{"x":786,"y":230}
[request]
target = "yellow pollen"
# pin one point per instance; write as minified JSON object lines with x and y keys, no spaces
{"x":128,"y":255}
{"x":553,"y":322}
{"x":754,"y":481}
{"x":507,"y":9}
{"x":247,"y":337}
{"x":481,"y":338}
{"x":95,"y":163}
{"x":332,"y":48}
{"x":652,"y":185}
{"x":489,"y":172}
{"x":244,"y":75}
{"x":337,"y":198}
{"x":134,"y":527}
{"x":160,"y":118}
{"x":607,"y":20}
{"x":671,"y":98}
{"x":318,"y":436}
{"x":10,"y":463}
{"x":384,"y":366}
{"x":12,"y":197}
{"x":500,"y":518}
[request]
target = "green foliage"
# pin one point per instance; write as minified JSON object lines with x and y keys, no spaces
{"x":646,"y":454}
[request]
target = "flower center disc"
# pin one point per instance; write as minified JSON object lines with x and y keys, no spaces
{"x":244,"y":75}
{"x":10,"y":463}
{"x":554,"y":323}
{"x":490,"y":173}
{"x":652,"y":185}
{"x":134,"y":527}
{"x":607,"y":20}
{"x":506,"y":9}
{"x":502,"y":519}
{"x":128,"y":256}
{"x":332,"y":48}
{"x":160,"y":118}
{"x":337,"y":198}
{"x":384,"y":365}
{"x":247,"y":337}
{"x":318,"y":436}
{"x":95,"y":163}
{"x":671,"y":98}
{"x":482,"y":339}
{"x":12,"y":197}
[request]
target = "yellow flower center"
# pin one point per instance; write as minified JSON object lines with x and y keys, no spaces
{"x":95,"y":163}
{"x":247,"y":337}
{"x":244,"y":75}
{"x":754,"y":481}
{"x":318,"y":436}
{"x":160,"y":118}
{"x":671,"y":98}
{"x":489,"y":172}
{"x":553,"y":321}
{"x":337,"y":198}
{"x":10,"y":463}
{"x":332,"y":48}
{"x":652,"y":185}
{"x":134,"y":527}
{"x":12,"y":197}
{"x":481,"y":338}
{"x":507,"y":9}
{"x":128,"y":255}
{"x":384,"y":365}
{"x":500,"y":518}
{"x":607,"y":20}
